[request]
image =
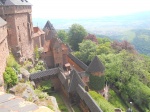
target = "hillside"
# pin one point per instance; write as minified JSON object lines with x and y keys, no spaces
{"x":140,"y":38}
{"x":102,"y":25}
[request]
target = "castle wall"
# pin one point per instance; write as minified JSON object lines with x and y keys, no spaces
{"x":15,"y":9}
{"x":20,"y":30}
{"x":4,"y":52}
{"x":37,"y":41}
{"x":74,"y":65}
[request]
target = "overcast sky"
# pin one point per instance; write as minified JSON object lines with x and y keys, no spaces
{"x":56,"y":9}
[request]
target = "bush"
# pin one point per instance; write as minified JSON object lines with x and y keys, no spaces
{"x":10,"y":77}
{"x":11,"y":62}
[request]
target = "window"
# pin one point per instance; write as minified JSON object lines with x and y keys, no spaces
{"x":19,"y":39}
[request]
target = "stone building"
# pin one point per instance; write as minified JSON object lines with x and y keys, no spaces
{"x":38,"y":37}
{"x":50,"y":31}
{"x":55,"y":53}
{"x":4,"y":52}
{"x":17,"y":13}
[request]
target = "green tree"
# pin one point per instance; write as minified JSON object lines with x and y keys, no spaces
{"x":76,"y":35}
{"x":87,"y":50}
{"x":10,"y":77}
{"x":63,"y":35}
{"x":37,"y":55}
{"x":11,"y":62}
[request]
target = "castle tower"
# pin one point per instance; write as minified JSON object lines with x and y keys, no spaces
{"x":17,"y":13}
{"x":4,"y":52}
{"x":96,"y":67}
{"x":50,"y":31}
{"x":95,"y":71}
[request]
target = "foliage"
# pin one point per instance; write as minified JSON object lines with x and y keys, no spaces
{"x":76,"y":35}
{"x":38,"y":67}
{"x":97,"y":82}
{"x":87,"y":50}
{"x":116,"y":100}
{"x":63,"y":35}
{"x":119,"y":46}
{"x":11,"y":62}
{"x":36,"y":52}
{"x":10,"y":77}
{"x":102,"y":102}
{"x":126,"y":70}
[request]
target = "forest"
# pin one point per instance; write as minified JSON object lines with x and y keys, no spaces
{"x":127,"y":72}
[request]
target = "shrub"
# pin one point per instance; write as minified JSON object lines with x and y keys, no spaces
{"x":10,"y":77}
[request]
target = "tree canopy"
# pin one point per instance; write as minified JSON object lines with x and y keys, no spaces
{"x":76,"y":35}
{"x":63,"y":35}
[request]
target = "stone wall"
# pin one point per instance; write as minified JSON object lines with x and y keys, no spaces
{"x":74,"y":65}
{"x":4,"y":52}
{"x":20,"y":30}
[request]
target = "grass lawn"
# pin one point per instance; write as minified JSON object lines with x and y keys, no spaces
{"x":45,"y":86}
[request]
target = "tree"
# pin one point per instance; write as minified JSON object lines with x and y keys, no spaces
{"x":63,"y":35}
{"x":36,"y":52}
{"x":10,"y":77}
{"x":76,"y":35}
{"x":87,"y":50}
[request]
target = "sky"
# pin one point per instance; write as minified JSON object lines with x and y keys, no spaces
{"x":76,"y":9}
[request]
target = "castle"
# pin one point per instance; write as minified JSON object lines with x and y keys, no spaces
{"x":17,"y":35}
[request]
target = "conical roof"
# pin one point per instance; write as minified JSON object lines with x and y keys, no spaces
{"x":49,"y":30}
{"x":95,"y":66}
{"x":48,"y":26}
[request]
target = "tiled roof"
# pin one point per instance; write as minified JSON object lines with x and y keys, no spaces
{"x":49,"y":72}
{"x":50,"y":31}
{"x":37,"y":31}
{"x":77,"y":61}
{"x":2,"y":22}
{"x":63,"y":80}
{"x":15,"y":2}
{"x":69,"y":48}
{"x":49,"y":26}
{"x":88,"y":99}
{"x":95,"y":66}
{"x":75,"y":80}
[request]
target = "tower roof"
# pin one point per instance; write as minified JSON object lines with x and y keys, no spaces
{"x":14,"y":2}
{"x":95,"y":66}
{"x":48,"y":26}
{"x":50,"y":31}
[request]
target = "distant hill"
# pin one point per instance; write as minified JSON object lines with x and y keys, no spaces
{"x":116,"y":27}
{"x":102,"y":24}
{"x":140,"y":38}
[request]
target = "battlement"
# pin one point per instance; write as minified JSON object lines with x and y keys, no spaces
{"x":15,"y":9}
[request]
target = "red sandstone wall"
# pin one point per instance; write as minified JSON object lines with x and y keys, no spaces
{"x":74,"y":65}
{"x":20,"y":29}
{"x":23,"y":35}
{"x":14,"y":9}
{"x":4,"y":52}
{"x":37,"y":41}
